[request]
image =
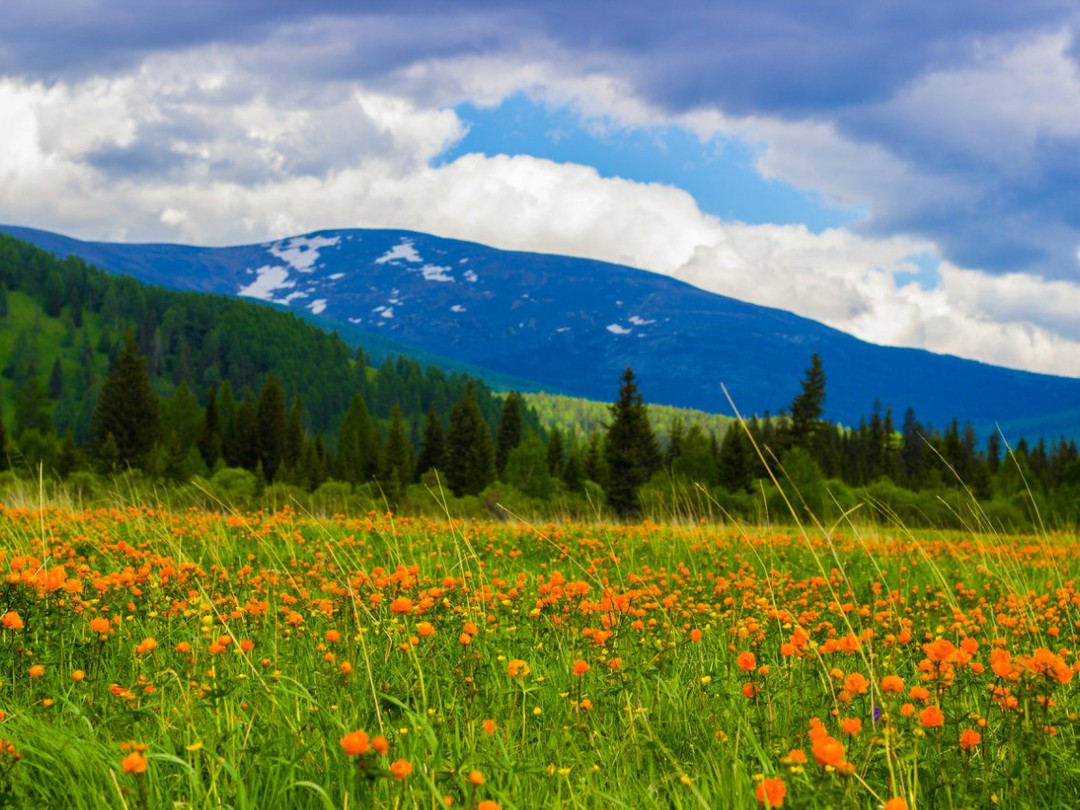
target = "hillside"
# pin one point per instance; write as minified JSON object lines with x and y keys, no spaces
{"x":572,"y":325}
{"x":62,"y":323}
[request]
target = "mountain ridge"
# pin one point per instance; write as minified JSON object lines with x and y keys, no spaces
{"x":572,"y":325}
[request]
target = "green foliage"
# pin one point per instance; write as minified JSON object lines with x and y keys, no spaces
{"x":470,"y":461}
{"x":128,"y":409}
{"x":630,"y":448}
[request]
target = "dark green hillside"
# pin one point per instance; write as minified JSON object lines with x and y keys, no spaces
{"x":63,"y":322}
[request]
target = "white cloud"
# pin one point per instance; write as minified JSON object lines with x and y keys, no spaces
{"x":248,"y":164}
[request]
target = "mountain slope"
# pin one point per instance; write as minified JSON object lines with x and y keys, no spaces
{"x":573,"y":324}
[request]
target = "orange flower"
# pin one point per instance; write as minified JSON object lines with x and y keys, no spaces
{"x":895,"y":803}
{"x":828,"y":751}
{"x":294,"y":618}
{"x":856,"y":683}
{"x":36,"y":671}
{"x":100,"y":625}
{"x":134,"y":762}
{"x":750,"y":690}
{"x":581,"y":667}
{"x":771,"y":792}
{"x":695,"y":635}
{"x":402,"y":604}
{"x":969,"y":738}
{"x":400,"y":769}
{"x":487,"y":804}
{"x":380,"y":745}
{"x":183,"y":647}
{"x":919,"y":693}
{"x":489,"y":727}
{"x":332,"y":635}
{"x":475,"y":777}
{"x":893,"y":684}
{"x":797,"y":756}
{"x":425,"y":629}
{"x":78,"y":675}
{"x":931,"y":717}
{"x":12,"y":621}
{"x":851,"y":725}
{"x":747,"y":662}
{"x":355,"y":743}
{"x":517,"y":667}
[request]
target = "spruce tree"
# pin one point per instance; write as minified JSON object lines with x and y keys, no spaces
{"x":433,"y":446}
{"x":271,"y":423}
{"x":808,"y":406}
{"x":32,"y":407}
{"x":509,"y":435}
{"x":470,"y":453}
{"x":555,"y":452}
{"x":358,"y":444}
{"x":56,"y":380}
{"x":294,"y":435}
{"x":735,"y":460}
{"x":396,"y":470}
{"x":210,"y":432}
{"x":127,"y":409}
{"x":630,"y":448}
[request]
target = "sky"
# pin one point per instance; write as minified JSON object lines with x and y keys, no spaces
{"x":906,"y":172}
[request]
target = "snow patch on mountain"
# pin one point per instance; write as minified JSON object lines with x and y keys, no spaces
{"x":637,"y":320}
{"x":457,"y":308}
{"x":268,"y":279}
{"x":403,"y":251}
{"x":301,"y":252}
{"x":470,"y":276}
{"x":318,"y":306}
{"x":615,"y":329}
{"x":433,"y":272}
{"x":388,"y":312}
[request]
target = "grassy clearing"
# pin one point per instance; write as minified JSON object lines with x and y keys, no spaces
{"x":157,"y":658}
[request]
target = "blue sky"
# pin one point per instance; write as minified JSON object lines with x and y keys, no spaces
{"x":718,"y":172}
{"x":905,"y":172}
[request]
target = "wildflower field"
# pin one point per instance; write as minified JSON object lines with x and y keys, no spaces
{"x":157,"y":658}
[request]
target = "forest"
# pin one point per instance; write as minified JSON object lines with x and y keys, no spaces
{"x":225,"y":399}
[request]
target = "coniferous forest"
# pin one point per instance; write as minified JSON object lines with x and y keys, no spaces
{"x":232,"y":401}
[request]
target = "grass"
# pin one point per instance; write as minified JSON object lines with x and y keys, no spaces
{"x":562,"y":665}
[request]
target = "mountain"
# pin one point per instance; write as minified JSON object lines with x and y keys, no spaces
{"x":572,"y":325}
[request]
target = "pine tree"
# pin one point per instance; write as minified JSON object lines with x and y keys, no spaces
{"x":358,"y":444}
{"x":56,"y":380}
{"x":433,"y":447}
{"x":470,"y":453}
{"x":808,"y":406}
{"x":735,"y":459}
{"x":210,"y":432}
{"x":630,"y":448}
{"x":32,"y":407}
{"x":271,"y":423}
{"x":509,"y":435}
{"x":555,"y":452}
{"x":127,"y":409}
{"x":396,"y":470}
{"x":294,"y":435}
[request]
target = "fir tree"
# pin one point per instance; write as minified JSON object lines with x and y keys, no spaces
{"x":358,"y":444}
{"x":210,"y":433}
{"x":294,"y":435}
{"x":396,"y":470}
{"x":555,"y":452}
{"x":271,"y":423}
{"x":127,"y":409}
{"x":735,"y":459}
{"x":32,"y":407}
{"x":509,"y":435}
{"x":808,"y":406}
{"x":470,"y":453}
{"x":630,"y":448}
{"x":433,"y":447}
{"x":56,"y":381}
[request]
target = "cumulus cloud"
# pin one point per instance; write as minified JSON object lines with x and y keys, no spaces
{"x":276,"y":135}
